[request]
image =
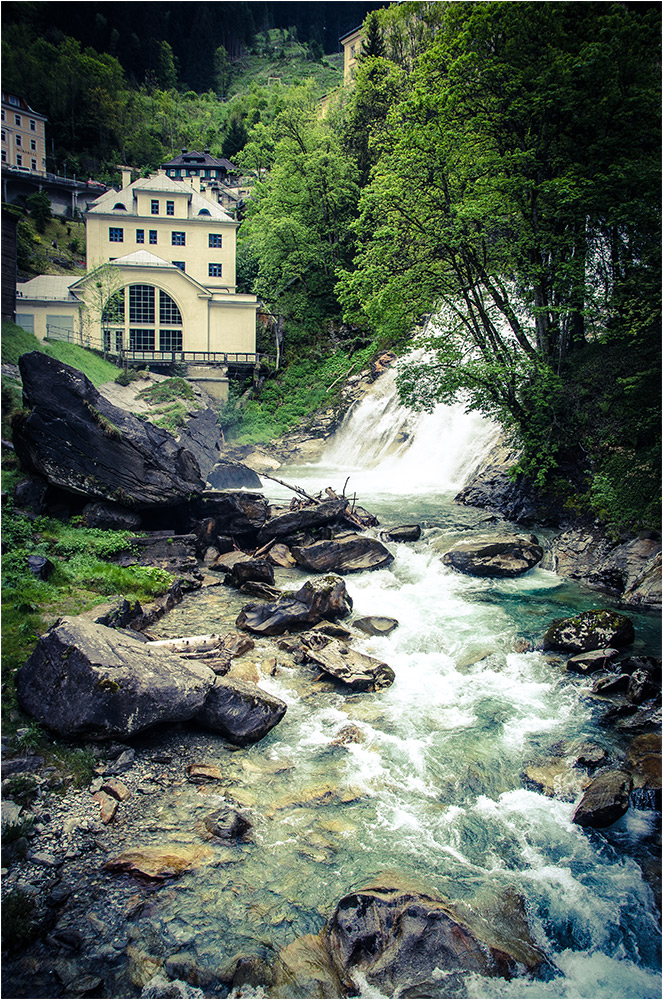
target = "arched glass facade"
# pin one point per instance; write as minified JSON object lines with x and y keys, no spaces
{"x":142,"y":318}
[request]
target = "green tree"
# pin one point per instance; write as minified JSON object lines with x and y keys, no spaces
{"x":298,"y":222}
{"x":39,"y":205}
{"x":222,"y":73}
{"x":373,"y":46}
{"x":507,"y":201}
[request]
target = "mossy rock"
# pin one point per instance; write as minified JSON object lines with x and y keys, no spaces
{"x":589,"y":630}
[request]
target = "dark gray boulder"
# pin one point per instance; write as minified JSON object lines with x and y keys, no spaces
{"x":284,"y":525}
{"x":40,"y":566}
{"x":605,"y":800}
{"x":591,"y":661}
{"x":589,"y":630}
{"x":348,"y":554}
{"x":316,"y":600}
{"x":503,"y":555}
{"x":85,"y":679}
{"x":79,"y":441}
{"x":226,"y":475}
{"x":399,"y":939}
{"x":357,"y":670}
{"x":254,"y":570}
{"x":240,"y":711}
{"x":403,"y":533}
{"x":231,"y":513}
{"x":111,"y":516}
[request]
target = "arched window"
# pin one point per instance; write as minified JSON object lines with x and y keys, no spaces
{"x":142,"y":318}
{"x":118,"y":204}
{"x":204,"y":211}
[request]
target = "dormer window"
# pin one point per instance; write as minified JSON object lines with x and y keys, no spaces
{"x":204,"y":211}
{"x":119,"y":205}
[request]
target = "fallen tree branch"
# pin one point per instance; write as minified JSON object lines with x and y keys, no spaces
{"x":295,"y":489}
{"x":344,"y":375}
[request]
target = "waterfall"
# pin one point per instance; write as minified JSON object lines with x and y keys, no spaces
{"x":394,"y":449}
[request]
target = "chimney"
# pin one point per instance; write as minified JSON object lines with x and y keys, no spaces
{"x":126,"y":175}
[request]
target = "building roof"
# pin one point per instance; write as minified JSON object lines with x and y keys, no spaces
{"x":192,"y":158}
{"x":143,"y":258}
{"x":47,"y":286}
{"x":20,"y":104}
{"x":158,"y":184}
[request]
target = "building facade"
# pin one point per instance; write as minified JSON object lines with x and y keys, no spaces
{"x":351,"y":43}
{"x":161,"y":279}
{"x":23,"y":136}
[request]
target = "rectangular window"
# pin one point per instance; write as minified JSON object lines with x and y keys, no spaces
{"x":141,"y":340}
{"x":4,"y":156}
{"x":3,"y":114}
{"x":180,"y":264}
{"x":153,"y":236}
{"x":215,"y":240}
{"x":19,"y":161}
{"x":141,"y":304}
{"x":170,"y":208}
{"x":17,"y":120}
{"x":26,"y":321}
{"x":179,"y":239}
{"x":33,"y":164}
{"x":59,"y":327}
{"x":19,"y":141}
{"x":170,"y":340}
{"x":215,"y":270}
{"x":140,"y":236}
{"x":33,"y":144}
{"x":33,"y":125}
{"x":155,"y":206}
{"x":119,"y":335}
{"x":115,"y":234}
{"x":4,"y":136}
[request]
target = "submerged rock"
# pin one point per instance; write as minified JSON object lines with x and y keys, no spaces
{"x":399,"y":939}
{"x":403,"y":533}
{"x":375,"y":625}
{"x":591,"y":661}
{"x":89,"y":680}
{"x":503,"y":555}
{"x":227,"y":823}
{"x":158,"y":862}
{"x":589,"y":630}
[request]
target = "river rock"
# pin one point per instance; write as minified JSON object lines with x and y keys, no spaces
{"x":591,"y":661}
{"x":589,"y":630}
{"x":357,"y":670}
{"x":235,"y":513}
{"x":316,"y":600}
{"x":403,"y":533}
{"x":240,"y":711}
{"x":503,"y":555}
{"x":88,"y":680}
{"x":605,"y":800}
{"x":227,"y":823}
{"x":399,"y":939}
{"x":82,"y":443}
{"x":305,"y":969}
{"x":158,"y":863}
{"x":348,"y":554}
{"x":280,"y":555}
{"x":227,"y":475}
{"x":318,"y":516}
{"x":254,"y":570}
{"x":375,"y":625}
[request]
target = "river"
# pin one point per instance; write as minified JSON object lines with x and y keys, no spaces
{"x":434,"y":788}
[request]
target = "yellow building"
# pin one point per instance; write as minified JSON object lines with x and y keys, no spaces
{"x":351,"y":43}
{"x":161,"y":280}
{"x":23,"y":135}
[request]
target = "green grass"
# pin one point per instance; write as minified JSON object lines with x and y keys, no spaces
{"x":278,"y":56}
{"x":16,"y":341}
{"x":44,"y":258}
{"x":287,"y":400}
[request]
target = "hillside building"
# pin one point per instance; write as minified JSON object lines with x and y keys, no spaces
{"x":161,"y":282}
{"x":23,"y":136}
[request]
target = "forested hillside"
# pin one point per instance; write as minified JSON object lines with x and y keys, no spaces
{"x":496,"y":165}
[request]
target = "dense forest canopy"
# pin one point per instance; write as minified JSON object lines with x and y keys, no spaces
{"x":495,"y":164}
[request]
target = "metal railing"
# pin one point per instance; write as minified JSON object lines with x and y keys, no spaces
{"x":192,"y":357}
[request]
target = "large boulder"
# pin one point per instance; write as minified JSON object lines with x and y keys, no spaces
{"x":357,"y":670}
{"x":232,"y":513}
{"x":503,"y":555}
{"x":79,"y":441}
{"x":319,"y":516}
{"x":87,"y":680}
{"x":596,"y":629}
{"x":226,"y":475}
{"x":348,"y":554}
{"x":240,"y":711}
{"x":399,"y":939}
{"x":605,"y":800}
{"x":317,"y":600}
